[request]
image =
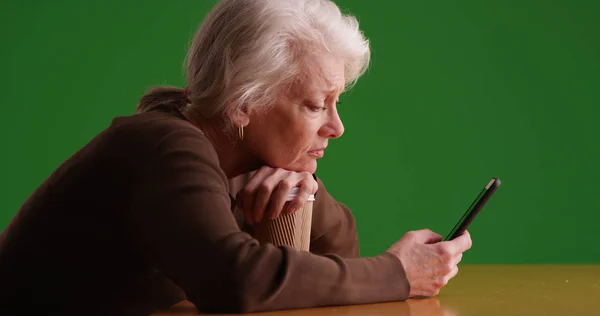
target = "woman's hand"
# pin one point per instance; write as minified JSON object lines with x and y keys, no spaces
{"x":429,"y":263}
{"x":267,"y":191}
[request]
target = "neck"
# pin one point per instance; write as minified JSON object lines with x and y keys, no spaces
{"x":234,"y":158}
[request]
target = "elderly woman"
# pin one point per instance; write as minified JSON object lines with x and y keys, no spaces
{"x":144,"y":216}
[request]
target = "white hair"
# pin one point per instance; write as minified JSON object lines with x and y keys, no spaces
{"x":246,"y":50}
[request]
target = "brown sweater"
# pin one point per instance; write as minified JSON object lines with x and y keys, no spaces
{"x":142,"y":217}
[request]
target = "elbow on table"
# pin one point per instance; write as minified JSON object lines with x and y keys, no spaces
{"x":233,"y":305}
{"x":238,"y":299}
{"x":252,"y":283}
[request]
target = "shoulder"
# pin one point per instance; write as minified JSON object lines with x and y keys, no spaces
{"x":155,"y":130}
{"x":151,"y":127}
{"x":162,"y":139}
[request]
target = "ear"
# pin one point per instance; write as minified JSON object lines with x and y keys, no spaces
{"x":240,"y":116}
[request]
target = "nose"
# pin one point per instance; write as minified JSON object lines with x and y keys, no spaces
{"x":333,"y":127}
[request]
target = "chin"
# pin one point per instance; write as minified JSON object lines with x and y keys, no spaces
{"x":312,"y":170}
{"x":309,"y":166}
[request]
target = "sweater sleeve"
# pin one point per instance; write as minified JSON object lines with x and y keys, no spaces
{"x":334,"y":227}
{"x":181,"y":222}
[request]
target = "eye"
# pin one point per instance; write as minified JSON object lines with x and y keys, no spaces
{"x":314,"y":108}
{"x":317,"y":108}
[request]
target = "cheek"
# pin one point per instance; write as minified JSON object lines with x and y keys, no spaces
{"x":275,"y":144}
{"x":283,"y":139}
{"x":302,"y":137}
{"x":291,"y":143}
{"x":288,"y":145}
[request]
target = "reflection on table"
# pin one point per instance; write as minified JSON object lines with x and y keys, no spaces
{"x":482,"y":290}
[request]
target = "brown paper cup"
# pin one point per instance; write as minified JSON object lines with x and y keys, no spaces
{"x":292,"y":230}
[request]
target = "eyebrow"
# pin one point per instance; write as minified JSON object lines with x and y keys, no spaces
{"x":331,"y":89}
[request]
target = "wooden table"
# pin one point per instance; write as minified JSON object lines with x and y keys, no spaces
{"x":482,"y":290}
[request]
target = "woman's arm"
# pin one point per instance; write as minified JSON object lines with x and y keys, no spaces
{"x":333,"y":226}
{"x":181,"y":221}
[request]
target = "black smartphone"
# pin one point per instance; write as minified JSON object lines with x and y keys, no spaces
{"x":474,"y":209}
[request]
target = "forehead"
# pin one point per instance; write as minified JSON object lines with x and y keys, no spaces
{"x":321,"y":75}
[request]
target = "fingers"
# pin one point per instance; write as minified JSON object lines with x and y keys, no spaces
{"x":466,"y":242}
{"x":265,"y":191}
{"x":306,"y":186}
{"x":425,"y":236}
{"x":457,"y":259}
{"x":433,"y":288}
{"x":279,"y":196}
{"x":449,"y":276}
{"x":245,"y":198}
{"x":447,"y":262}
{"x":452,"y":274}
{"x":429,"y":263}
{"x":459,"y":244}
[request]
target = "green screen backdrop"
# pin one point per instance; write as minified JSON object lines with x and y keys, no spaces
{"x":457,"y":92}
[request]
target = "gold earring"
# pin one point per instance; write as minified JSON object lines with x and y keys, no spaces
{"x":241,"y":132}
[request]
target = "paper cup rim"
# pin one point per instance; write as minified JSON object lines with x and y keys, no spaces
{"x":293,"y":193}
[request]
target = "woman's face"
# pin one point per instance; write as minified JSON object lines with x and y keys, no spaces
{"x":295,"y":131}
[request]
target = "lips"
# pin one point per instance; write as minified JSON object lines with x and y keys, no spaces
{"x":317,"y":153}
